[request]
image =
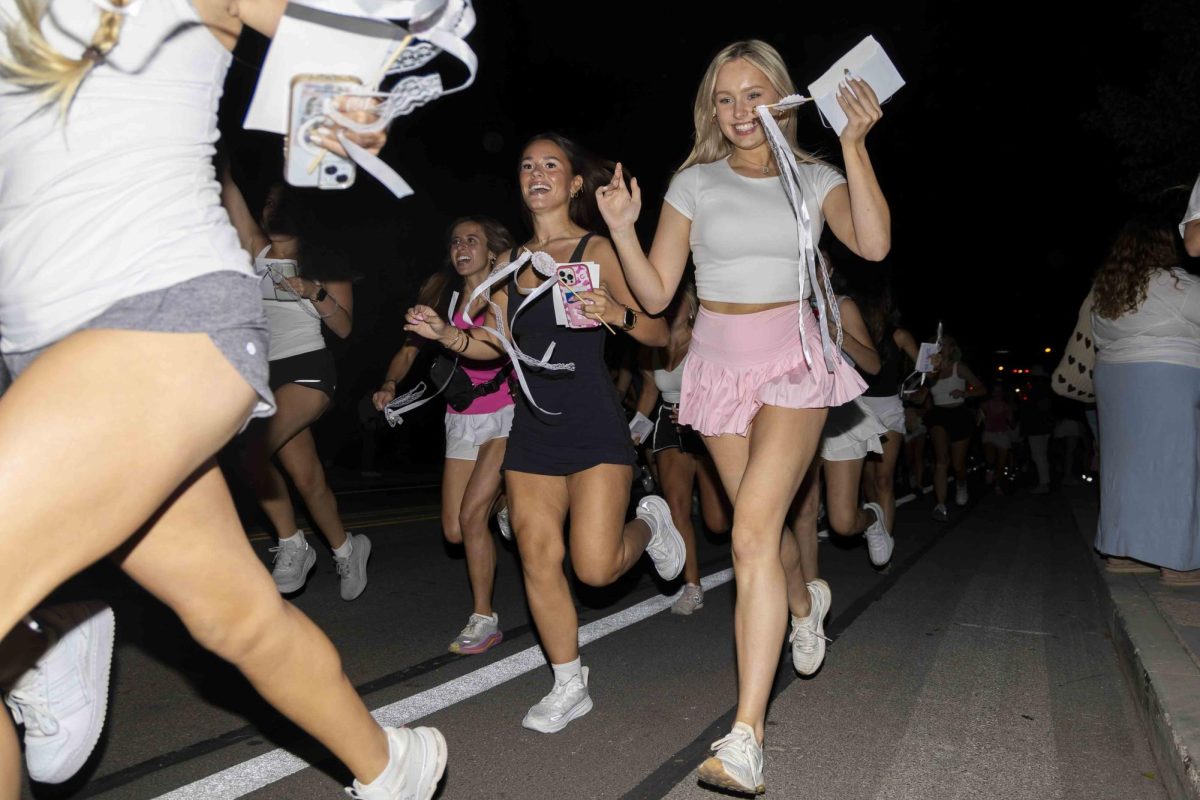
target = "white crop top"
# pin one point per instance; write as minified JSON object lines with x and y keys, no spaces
{"x":943,"y":389}
{"x":670,"y":383}
{"x":294,"y":323}
{"x":743,"y":237}
{"x":120,"y":197}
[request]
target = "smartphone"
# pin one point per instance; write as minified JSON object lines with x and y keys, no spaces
{"x":572,"y":278}
{"x":307,"y":164}
{"x":275,"y":270}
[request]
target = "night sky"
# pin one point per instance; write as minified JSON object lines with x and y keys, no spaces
{"x":999,"y":158}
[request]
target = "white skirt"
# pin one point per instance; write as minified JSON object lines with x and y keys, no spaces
{"x":465,"y":433}
{"x":851,"y":431}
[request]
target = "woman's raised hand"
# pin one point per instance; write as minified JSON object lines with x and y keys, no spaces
{"x":426,"y":323}
{"x":359,"y":109}
{"x":861,"y":107}
{"x":619,"y":205}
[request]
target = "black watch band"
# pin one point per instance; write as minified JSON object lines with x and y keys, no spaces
{"x":629,"y":320}
{"x":321,"y":295}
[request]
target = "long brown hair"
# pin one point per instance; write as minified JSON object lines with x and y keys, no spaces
{"x":595,"y":172}
{"x":435,"y":292}
{"x":1144,"y":246}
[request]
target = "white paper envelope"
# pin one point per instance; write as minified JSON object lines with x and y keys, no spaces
{"x":866,"y":61}
{"x":312,"y":41}
{"x":928,"y":351}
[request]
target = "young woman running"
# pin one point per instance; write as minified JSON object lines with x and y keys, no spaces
{"x":476,"y":435}
{"x":576,"y":457}
{"x":761,"y":407}
{"x":303,"y":378}
{"x":122,"y":278}
{"x":951,"y":423}
{"x":679,"y":451}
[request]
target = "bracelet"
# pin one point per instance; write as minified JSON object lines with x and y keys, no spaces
{"x":466,"y":341}
{"x":336,"y":308}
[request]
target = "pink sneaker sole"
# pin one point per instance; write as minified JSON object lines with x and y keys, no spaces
{"x":487,"y":644}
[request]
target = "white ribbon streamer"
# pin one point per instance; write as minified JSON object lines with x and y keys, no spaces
{"x":812,"y":265}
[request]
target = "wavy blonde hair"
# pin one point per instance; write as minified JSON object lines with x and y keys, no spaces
{"x":35,"y":65}
{"x":710,"y":144}
{"x":1143,"y":247}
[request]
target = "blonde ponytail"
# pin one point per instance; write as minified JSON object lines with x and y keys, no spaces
{"x":35,"y":65}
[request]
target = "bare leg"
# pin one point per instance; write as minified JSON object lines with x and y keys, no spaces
{"x":677,"y":477}
{"x":538,"y":506}
{"x":941,"y":464}
{"x":603,"y":545}
{"x":300,"y":460}
{"x":479,"y":496}
{"x":776,"y":454}
{"x":842,"y":478}
{"x":715,"y":507}
{"x":879,"y":482}
{"x":456,"y":474}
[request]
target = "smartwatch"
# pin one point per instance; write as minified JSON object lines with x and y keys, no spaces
{"x":321,"y":295}
{"x":629,"y":320}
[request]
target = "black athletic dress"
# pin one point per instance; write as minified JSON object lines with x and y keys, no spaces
{"x":591,"y":428}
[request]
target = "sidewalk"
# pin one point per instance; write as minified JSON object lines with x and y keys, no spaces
{"x":1156,"y":631}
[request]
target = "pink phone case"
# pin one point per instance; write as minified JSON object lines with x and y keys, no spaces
{"x":575,"y":276}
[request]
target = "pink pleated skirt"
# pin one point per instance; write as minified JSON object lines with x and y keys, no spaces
{"x":738,"y":363}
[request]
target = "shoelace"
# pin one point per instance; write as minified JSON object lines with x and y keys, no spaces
{"x":284,"y":556}
{"x":735,"y":748}
{"x":472,"y":629}
{"x":30,"y":706}
{"x":342,"y":565}
{"x":809,"y":643}
{"x":557,"y":699}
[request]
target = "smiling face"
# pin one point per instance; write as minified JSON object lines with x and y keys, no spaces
{"x":469,"y":249}
{"x":546,"y":177}
{"x":740,"y":86}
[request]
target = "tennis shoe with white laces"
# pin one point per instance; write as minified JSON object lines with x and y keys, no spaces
{"x":808,"y":633}
{"x":567,"y":701}
{"x":737,"y":764}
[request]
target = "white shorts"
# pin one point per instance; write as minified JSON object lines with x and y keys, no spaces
{"x":998,"y":439}
{"x":888,"y":410}
{"x":851,"y":431}
{"x":465,"y":433}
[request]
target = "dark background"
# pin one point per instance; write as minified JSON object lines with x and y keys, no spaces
{"x":1025,"y":134}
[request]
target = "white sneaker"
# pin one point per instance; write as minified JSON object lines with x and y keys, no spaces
{"x":691,"y":598}
{"x":352,"y":570}
{"x":879,"y":542}
{"x":738,"y":763}
{"x":505,"y":525}
{"x":416,"y":761}
{"x":63,"y":699}
{"x":808,"y":633}
{"x":482,"y":633}
{"x":960,"y":494}
{"x":566,"y":701}
{"x":666,"y":547}
{"x":293,"y":562}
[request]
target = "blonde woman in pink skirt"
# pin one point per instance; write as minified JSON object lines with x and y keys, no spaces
{"x":747,"y":384}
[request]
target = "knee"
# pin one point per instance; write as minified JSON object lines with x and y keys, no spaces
{"x":843,"y":521}
{"x":680,"y":502}
{"x":755,"y":543}
{"x":236,"y":631}
{"x":883,"y":482}
{"x":451,"y":528}
{"x":595,"y":572}
{"x":472,"y":519}
{"x":310,"y":481}
{"x":542,"y":553}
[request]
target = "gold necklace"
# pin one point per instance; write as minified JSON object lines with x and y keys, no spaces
{"x":765,"y":168}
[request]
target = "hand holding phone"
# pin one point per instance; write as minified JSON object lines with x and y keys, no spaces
{"x":308,"y":163}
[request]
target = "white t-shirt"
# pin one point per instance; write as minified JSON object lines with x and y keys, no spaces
{"x":744,"y":240}
{"x":120,"y":197}
{"x":294,"y":323}
{"x":1164,"y":329}
{"x":670,"y":383}
{"x":1193,"y":209}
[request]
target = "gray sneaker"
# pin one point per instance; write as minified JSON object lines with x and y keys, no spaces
{"x":691,"y":598}
{"x":666,"y":547}
{"x":566,"y":701}
{"x":293,"y":562}
{"x":482,"y":633}
{"x":352,"y":570}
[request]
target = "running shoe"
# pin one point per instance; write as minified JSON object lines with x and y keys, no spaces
{"x":666,"y":547}
{"x":960,"y":495}
{"x":940,"y":513}
{"x":352,"y":570}
{"x":691,"y":598}
{"x":293,"y":562}
{"x":808,"y":633}
{"x":738,"y":763}
{"x":63,"y":699}
{"x":482,"y":633}
{"x":503,"y":521}
{"x":416,"y":761}
{"x":566,"y":701}
{"x":879,"y":541}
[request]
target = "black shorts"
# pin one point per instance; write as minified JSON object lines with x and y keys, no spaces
{"x":668,"y":434}
{"x":958,"y":421}
{"x":314,"y":369}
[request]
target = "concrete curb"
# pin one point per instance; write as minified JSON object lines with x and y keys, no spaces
{"x":1161,"y":674}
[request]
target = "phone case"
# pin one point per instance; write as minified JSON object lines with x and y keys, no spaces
{"x":575,"y":277}
{"x":308,"y":164}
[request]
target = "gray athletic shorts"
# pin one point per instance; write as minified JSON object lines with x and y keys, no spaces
{"x":226,"y":305}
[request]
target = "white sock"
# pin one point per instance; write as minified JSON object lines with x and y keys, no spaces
{"x":347,"y":547}
{"x":564,"y":672}
{"x":295,"y":538}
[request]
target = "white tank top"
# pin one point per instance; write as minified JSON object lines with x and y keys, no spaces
{"x":670,"y":383}
{"x":120,"y":197}
{"x":295,"y":324}
{"x":942,"y":389}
